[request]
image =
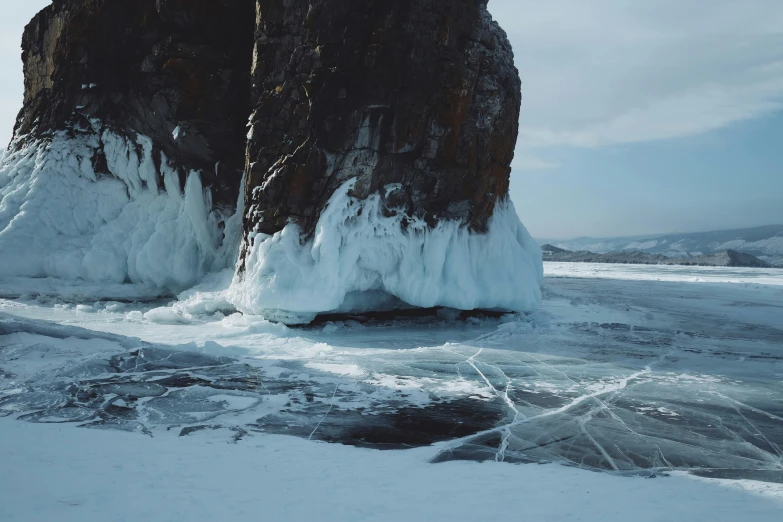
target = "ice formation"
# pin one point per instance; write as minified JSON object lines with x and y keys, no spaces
{"x":359,"y":253}
{"x":59,"y":218}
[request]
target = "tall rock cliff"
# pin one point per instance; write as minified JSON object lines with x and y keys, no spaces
{"x":175,"y":71}
{"x":418,"y":95}
{"x":378,"y":161}
{"x":128,"y":154}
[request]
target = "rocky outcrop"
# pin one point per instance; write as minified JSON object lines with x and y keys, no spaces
{"x":388,"y":126}
{"x":176,"y":71}
{"x":738,"y":259}
{"x":419,"y":98}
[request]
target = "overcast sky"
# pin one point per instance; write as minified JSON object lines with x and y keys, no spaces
{"x":638,"y":116}
{"x":15,"y":15}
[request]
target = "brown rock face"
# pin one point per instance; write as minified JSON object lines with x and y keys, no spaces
{"x":419,"y":98}
{"x":149,"y":67}
{"x":418,"y":93}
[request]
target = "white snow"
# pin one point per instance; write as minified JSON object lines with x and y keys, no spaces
{"x":61,"y":219}
{"x":128,"y":477}
{"x":356,"y":249}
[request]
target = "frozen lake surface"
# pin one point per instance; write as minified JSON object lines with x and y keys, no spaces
{"x":628,"y":370}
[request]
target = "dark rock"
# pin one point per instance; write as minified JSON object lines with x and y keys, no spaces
{"x":743,"y":259}
{"x":148,"y":67}
{"x":551,"y":249}
{"x":420,"y":93}
{"x":189,"y":430}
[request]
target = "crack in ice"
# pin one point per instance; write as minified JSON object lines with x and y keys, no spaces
{"x":619,"y":385}
{"x":331,"y":405}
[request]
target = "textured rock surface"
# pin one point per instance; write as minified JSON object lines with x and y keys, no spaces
{"x":149,"y":67}
{"x":418,"y":96}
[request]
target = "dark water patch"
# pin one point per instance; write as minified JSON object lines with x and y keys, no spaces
{"x":393,"y":316}
{"x":406,"y":427}
{"x":237,"y":432}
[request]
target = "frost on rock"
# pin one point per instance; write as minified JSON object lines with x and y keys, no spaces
{"x":360,"y":255}
{"x":60,"y":218}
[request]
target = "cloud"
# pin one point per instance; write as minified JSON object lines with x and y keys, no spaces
{"x":606,"y":72}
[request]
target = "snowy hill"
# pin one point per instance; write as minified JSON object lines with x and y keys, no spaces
{"x":730,"y":258}
{"x":764,"y":242}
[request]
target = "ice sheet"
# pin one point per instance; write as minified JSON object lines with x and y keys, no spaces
{"x":625,"y":376}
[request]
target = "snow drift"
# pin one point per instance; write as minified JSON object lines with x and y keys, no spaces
{"x":358,"y":255}
{"x":59,"y":218}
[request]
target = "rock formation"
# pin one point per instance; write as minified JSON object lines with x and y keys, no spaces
{"x":421,"y":96}
{"x":377,"y":161}
{"x":175,"y":71}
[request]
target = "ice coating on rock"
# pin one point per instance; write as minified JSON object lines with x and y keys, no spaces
{"x":359,"y":248}
{"x":59,"y":218}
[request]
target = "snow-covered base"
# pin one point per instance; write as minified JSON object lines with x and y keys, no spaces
{"x":61,"y":219}
{"x":359,"y":253}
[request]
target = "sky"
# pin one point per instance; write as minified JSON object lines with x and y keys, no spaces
{"x":16,"y":14}
{"x":638,"y":117}
{"x":644,"y":117}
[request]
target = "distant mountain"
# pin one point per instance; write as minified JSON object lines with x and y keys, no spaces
{"x":635,"y":257}
{"x":766,"y":243}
